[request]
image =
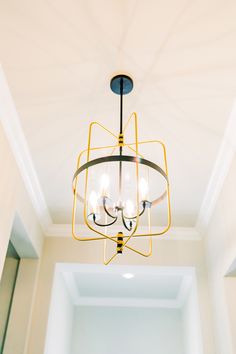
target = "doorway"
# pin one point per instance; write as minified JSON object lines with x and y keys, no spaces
{"x":7,"y":287}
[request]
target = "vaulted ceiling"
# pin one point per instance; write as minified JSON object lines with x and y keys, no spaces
{"x":58,"y":57}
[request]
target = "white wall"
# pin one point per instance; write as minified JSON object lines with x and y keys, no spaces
{"x":106,"y":330}
{"x":18,"y":220}
{"x":14,"y":198}
{"x":191,"y":324}
{"x":230,"y":291}
{"x":220,"y":242}
{"x":59,"y":329}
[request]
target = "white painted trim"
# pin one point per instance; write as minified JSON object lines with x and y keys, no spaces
{"x":14,"y":132}
{"x":219,"y":173}
{"x":184,"y":290}
{"x":120,"y":269}
{"x":71,"y":286}
{"x":127,"y":302}
{"x":175,"y":233}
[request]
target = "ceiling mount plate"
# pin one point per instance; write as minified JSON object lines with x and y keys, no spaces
{"x":116,"y":84}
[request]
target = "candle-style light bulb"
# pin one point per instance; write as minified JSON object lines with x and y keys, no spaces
{"x":143,"y":188}
{"x":104,"y":183}
{"x":129,"y":207}
{"x":93,"y":201}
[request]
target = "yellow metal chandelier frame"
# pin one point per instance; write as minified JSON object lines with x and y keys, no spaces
{"x":121,"y":240}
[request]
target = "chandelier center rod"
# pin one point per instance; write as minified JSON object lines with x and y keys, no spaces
{"x":121,"y":105}
{"x":121,"y":132}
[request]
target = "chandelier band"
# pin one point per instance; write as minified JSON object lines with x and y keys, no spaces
{"x":123,"y":158}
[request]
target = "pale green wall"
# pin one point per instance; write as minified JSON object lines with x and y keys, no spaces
{"x":106,"y":330}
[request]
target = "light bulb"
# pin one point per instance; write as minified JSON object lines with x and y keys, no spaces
{"x":128,"y":275}
{"x":127,"y":177}
{"x":129,"y":207}
{"x":104,"y":182}
{"x":143,"y":189}
{"x":93,"y":200}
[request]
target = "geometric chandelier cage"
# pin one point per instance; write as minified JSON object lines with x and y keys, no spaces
{"x":120,"y":193}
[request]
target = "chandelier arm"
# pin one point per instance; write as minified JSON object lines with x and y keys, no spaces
{"x":124,"y":222}
{"x":141,"y":213}
{"x":106,"y":262}
{"x":106,"y":210}
{"x":103,"y":225}
{"x":139,"y":252}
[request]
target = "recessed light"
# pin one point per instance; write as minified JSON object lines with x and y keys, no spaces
{"x":128,"y":275}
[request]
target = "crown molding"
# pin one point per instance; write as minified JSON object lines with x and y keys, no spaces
{"x":127,"y":302}
{"x":220,"y":170}
{"x":14,"y":132}
{"x":175,"y":233}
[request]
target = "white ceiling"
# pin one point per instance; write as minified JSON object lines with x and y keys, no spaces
{"x":59,"y":56}
{"x":141,"y":286}
{"x":96,"y":285}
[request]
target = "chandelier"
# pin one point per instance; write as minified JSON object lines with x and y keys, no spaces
{"x":118,"y":188}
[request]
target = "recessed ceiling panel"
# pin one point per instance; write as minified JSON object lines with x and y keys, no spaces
{"x":116,"y":286}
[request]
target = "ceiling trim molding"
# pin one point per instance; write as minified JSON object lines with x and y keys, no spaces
{"x":127,"y":302}
{"x":184,"y":290}
{"x":119,"y":269}
{"x":219,"y":173}
{"x":14,"y":132}
{"x":175,"y":233}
